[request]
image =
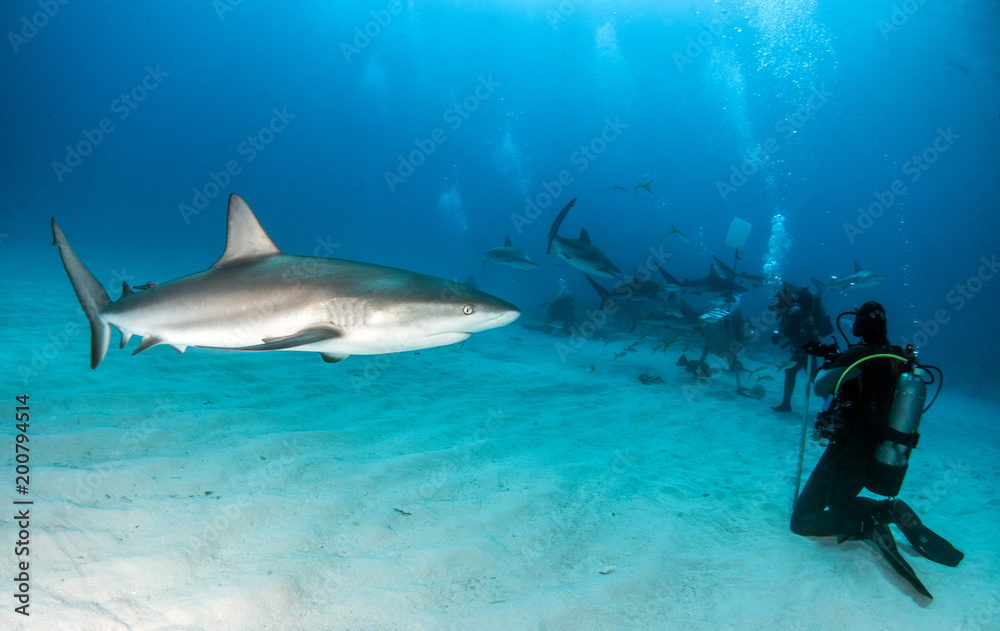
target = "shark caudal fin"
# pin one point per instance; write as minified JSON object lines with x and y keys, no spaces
{"x":554,"y":230}
{"x":91,"y":294}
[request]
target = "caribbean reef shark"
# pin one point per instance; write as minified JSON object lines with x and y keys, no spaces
{"x":860,"y":278}
{"x":580,"y":253}
{"x":754,"y":279}
{"x":712,"y":284}
{"x":256,"y":298}
{"x":648,"y":313}
{"x":509,"y":255}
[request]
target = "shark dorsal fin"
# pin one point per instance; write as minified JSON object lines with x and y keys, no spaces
{"x":506,"y":242}
{"x":584,"y":237}
{"x":126,"y":290}
{"x":857,"y":268}
{"x":245,"y":238}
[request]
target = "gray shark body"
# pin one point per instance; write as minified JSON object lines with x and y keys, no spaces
{"x":649,"y":313}
{"x":859,"y":279}
{"x":580,"y":253}
{"x":256,"y":298}
{"x":713,"y":284}
{"x":510,"y":256}
{"x":755,"y":280}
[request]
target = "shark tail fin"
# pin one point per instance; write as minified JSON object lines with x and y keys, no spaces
{"x":602,"y":292}
{"x":91,"y":294}
{"x":819,"y":284}
{"x":666,"y":276}
{"x":554,"y":230}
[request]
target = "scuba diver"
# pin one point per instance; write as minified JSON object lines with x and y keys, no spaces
{"x":875,"y":396}
{"x":802,"y":320}
{"x":561,"y":315}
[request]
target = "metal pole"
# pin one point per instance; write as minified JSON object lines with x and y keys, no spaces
{"x":805,"y":424}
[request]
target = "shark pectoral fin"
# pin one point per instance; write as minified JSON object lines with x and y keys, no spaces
{"x":302,"y":338}
{"x":331,"y":358}
{"x":151,"y":341}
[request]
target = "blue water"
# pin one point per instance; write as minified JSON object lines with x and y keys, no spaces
{"x":314,"y":107}
{"x":418,"y":135}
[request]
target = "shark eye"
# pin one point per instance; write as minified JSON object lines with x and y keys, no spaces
{"x":468,"y":309}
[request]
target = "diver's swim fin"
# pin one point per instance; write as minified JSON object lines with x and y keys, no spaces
{"x":923,"y":539}
{"x":878,"y":533}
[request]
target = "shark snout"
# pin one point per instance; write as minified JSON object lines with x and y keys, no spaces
{"x":507,"y":316}
{"x":494,"y":314}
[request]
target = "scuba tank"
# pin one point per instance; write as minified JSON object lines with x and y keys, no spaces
{"x":892,"y":456}
{"x":899,"y":434}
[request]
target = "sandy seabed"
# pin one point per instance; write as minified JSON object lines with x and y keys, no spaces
{"x":498,"y":485}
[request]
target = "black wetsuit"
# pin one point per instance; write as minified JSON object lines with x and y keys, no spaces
{"x":829,"y":503}
{"x":797,"y":326}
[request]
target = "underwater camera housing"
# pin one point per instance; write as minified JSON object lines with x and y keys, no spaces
{"x":829,"y":352}
{"x":831,"y":419}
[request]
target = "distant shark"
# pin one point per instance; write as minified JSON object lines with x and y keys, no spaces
{"x":860,"y":278}
{"x":753,"y":279}
{"x":649,"y":313}
{"x":509,"y":255}
{"x":713,"y":284}
{"x":256,"y":298}
{"x":638,"y":289}
{"x":580,"y":253}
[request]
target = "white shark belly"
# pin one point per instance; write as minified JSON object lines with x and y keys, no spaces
{"x":218,"y":325}
{"x":368,"y":341}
